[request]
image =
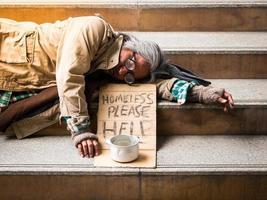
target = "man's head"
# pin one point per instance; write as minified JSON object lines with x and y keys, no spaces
{"x":137,"y":60}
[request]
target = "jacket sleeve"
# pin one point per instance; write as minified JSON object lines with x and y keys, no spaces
{"x":77,"y":48}
{"x":196,"y":94}
{"x":164,"y":88}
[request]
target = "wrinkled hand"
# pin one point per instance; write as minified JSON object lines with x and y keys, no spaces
{"x":226,"y":100}
{"x":88,"y":148}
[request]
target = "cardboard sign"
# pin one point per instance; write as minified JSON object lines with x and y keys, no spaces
{"x":128,"y":110}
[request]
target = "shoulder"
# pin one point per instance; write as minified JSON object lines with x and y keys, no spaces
{"x":89,"y":22}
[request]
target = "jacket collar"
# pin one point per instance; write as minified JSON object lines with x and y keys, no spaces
{"x":113,"y":54}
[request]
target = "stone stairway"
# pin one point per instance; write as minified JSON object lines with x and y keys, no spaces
{"x":149,"y":15}
{"x":202,"y":153}
{"x":188,"y":167}
{"x":217,"y":55}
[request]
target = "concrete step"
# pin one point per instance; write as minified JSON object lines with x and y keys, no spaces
{"x":215,"y":54}
{"x":188,"y":167}
{"x":149,"y":15}
{"x":249,"y":115}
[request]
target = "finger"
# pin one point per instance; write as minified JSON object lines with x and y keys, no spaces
{"x":90,"y":148}
{"x":85,"y":148}
{"x":221,"y":100}
{"x":96,"y":147}
{"x":224,"y":102}
{"x":230,"y":105}
{"x":80,"y":150}
{"x":225,"y":109}
{"x":231,"y":102}
{"x":229,"y":97}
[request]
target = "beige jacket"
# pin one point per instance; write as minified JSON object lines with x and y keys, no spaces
{"x":36,"y":56}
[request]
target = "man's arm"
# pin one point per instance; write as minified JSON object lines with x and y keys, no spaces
{"x":78,"y":47}
{"x":196,"y":94}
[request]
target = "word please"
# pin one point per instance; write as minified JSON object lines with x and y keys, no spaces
{"x":128,"y":110}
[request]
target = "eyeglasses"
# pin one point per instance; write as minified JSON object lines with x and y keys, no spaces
{"x":130,"y":65}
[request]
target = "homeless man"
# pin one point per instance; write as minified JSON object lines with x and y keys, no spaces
{"x":39,"y":63}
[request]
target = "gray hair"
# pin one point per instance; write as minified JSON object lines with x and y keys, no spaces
{"x":148,"y":49}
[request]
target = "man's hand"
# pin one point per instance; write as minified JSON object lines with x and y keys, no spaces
{"x":88,"y":148}
{"x":211,"y":95}
{"x":226,"y":100}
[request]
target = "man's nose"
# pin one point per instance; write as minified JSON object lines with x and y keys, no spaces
{"x":123,"y":70}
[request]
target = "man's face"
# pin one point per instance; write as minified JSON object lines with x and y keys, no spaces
{"x":141,"y":70}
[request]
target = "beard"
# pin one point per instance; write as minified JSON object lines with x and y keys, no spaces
{"x":114,"y":72}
